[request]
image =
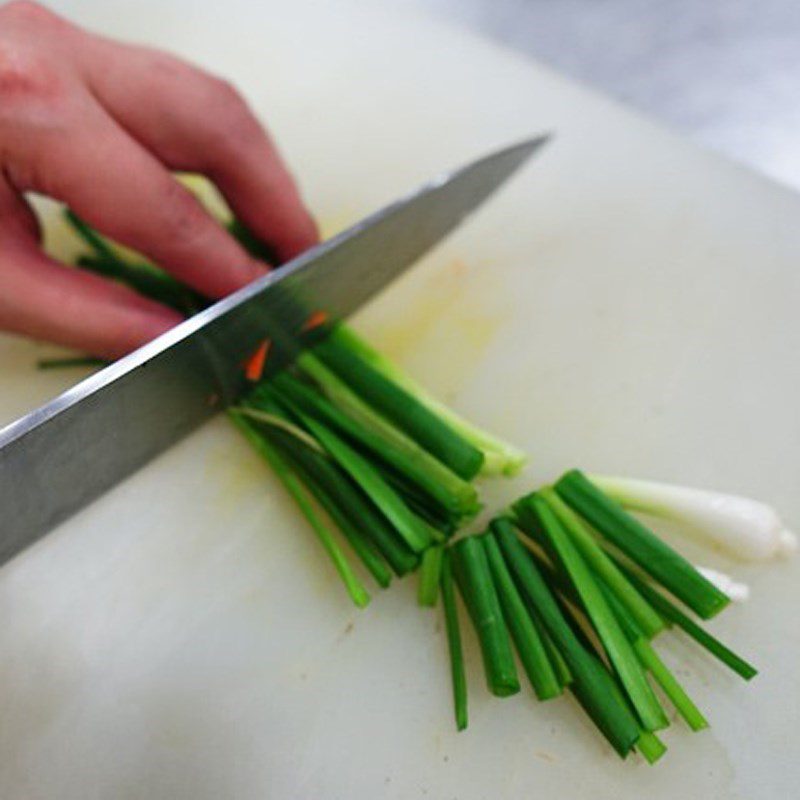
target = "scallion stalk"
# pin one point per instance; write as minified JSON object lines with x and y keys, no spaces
{"x":641,"y":545}
{"x":352,"y":502}
{"x":329,"y":495}
{"x":671,"y":612}
{"x":652,"y":662}
{"x":617,"y":647}
{"x":402,"y":409}
{"x":745,"y":528}
{"x":430,"y":571}
{"x":499,"y":457}
{"x":590,"y":680}
{"x":530,"y":647}
{"x":477,"y":588}
{"x":644,"y":614}
{"x":411,"y":528}
{"x":650,"y":746}
{"x":454,"y":494}
{"x":352,"y":583}
{"x":457,"y":671}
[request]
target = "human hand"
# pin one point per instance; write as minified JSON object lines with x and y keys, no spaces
{"x":99,"y":125}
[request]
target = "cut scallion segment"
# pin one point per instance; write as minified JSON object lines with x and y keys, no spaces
{"x":530,"y":647}
{"x":591,"y":681}
{"x":326,"y":485}
{"x":652,"y":662}
{"x":614,"y":641}
{"x":644,"y":614}
{"x":355,"y":588}
{"x":553,"y":653}
{"x":402,"y":409}
{"x":642,"y":546}
{"x":499,"y":457}
{"x":305,"y":453}
{"x":745,"y":528}
{"x":357,"y":506}
{"x":70,"y":362}
{"x":457,"y":671}
{"x":650,"y":746}
{"x":411,"y":528}
{"x":429,"y":575}
{"x":405,"y":456}
{"x":684,"y":704}
{"x":671,"y":612}
{"x":477,"y":588}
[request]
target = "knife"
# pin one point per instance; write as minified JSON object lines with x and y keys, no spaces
{"x":59,"y":458}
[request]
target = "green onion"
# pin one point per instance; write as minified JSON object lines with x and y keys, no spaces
{"x":605,"y":569}
{"x":671,"y":612}
{"x":650,"y":746}
{"x":605,"y":623}
{"x":147,"y":281}
{"x":591,"y":682}
{"x":411,"y":528}
{"x":655,"y":557}
{"x":328,"y":494}
{"x":352,"y":502}
{"x":251,"y":242}
{"x":276,"y":419}
{"x":475,"y":582}
{"x":499,"y":456}
{"x":529,"y":644}
{"x":355,"y":588}
{"x":98,"y":243}
{"x":670,"y":684}
{"x":140,"y":276}
{"x":560,"y":667}
{"x":652,"y":662}
{"x":402,"y":409}
{"x":746,"y":528}
{"x":454,"y":643}
{"x":454,"y":494}
{"x":65,"y":363}
{"x":429,"y":575}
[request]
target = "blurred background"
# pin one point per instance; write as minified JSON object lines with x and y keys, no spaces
{"x":726,"y":72}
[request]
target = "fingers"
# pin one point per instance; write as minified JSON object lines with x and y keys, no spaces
{"x":110,"y":180}
{"x":46,"y":300}
{"x":193,"y":121}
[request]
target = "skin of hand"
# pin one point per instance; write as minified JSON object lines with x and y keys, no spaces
{"x":101,"y":125}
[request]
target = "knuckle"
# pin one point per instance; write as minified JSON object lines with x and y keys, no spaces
{"x":231,"y":114}
{"x":182,"y":217}
{"x":24,"y":75}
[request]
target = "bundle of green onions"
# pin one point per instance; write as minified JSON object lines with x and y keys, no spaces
{"x":574,"y":584}
{"x":566,"y":578}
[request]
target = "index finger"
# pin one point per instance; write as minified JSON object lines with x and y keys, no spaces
{"x":192,"y":120}
{"x":110,"y":180}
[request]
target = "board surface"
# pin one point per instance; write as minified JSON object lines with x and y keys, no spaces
{"x":629,"y":305}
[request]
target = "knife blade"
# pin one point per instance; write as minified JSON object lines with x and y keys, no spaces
{"x":59,"y":458}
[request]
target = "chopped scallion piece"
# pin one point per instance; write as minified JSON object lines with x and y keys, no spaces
{"x":617,"y":647}
{"x":355,"y":588}
{"x":402,"y":409}
{"x":429,"y":575}
{"x":454,"y":643}
{"x":654,"y":556}
{"x":530,"y":647}
{"x":644,"y":614}
{"x":477,"y":588}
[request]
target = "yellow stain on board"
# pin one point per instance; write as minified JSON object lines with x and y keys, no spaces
{"x":449,"y":309}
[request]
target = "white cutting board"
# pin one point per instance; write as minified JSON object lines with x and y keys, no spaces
{"x":629,"y":305}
